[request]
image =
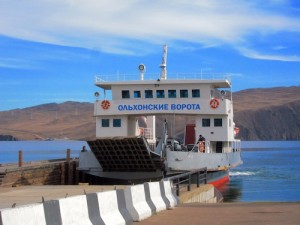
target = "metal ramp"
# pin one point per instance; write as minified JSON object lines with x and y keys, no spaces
{"x":130,"y":154}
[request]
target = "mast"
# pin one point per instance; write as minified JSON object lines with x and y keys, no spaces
{"x":163,"y":64}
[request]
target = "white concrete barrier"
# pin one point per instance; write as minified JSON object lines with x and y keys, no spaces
{"x":122,"y":207}
{"x":168,"y":195}
{"x":52,"y":212}
{"x":109,"y":209}
{"x":93,"y":208}
{"x":136,"y":202}
{"x":29,"y":215}
{"x":154,"y":196}
{"x":74,"y":210}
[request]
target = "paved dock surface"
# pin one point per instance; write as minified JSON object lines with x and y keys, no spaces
{"x":228,"y":214}
{"x":185,"y":214}
{"x":24,"y":195}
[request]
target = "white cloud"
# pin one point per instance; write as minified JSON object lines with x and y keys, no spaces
{"x":256,"y":55}
{"x":114,"y":25}
{"x":14,"y":63}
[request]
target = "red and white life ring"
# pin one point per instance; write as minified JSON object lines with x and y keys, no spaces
{"x":105,"y":104}
{"x":214,"y":103}
{"x":236,"y":131}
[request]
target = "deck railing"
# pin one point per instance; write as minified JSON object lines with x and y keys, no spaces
{"x":171,"y":76}
{"x":185,"y":179}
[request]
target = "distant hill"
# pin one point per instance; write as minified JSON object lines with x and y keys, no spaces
{"x":261,"y":114}
{"x":268,"y":114}
{"x":73,"y":120}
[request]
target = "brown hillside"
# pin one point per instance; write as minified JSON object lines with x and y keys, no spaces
{"x":268,"y":114}
{"x":270,"y":123}
{"x":71,"y":120}
{"x":260,"y":98}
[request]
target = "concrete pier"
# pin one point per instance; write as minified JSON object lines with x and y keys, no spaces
{"x":228,"y":214}
{"x":24,"y":195}
{"x":189,"y":213}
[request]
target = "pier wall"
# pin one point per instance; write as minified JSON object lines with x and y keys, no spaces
{"x":109,"y":207}
{"x":40,"y":173}
{"x":203,"y":194}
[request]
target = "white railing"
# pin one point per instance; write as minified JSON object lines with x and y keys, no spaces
{"x":170,"y":76}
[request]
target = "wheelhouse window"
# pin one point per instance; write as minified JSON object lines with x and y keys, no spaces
{"x":218,"y":122}
{"x":125,"y":94}
{"x":171,"y":93}
{"x":160,"y":93}
{"x":184,"y":93}
{"x":137,"y":94}
{"x":148,"y":94}
{"x":205,"y":122}
{"x":196,"y":93}
{"x":116,"y":122}
{"x":105,"y":122}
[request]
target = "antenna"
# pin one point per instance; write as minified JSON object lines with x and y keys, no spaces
{"x":163,"y":64}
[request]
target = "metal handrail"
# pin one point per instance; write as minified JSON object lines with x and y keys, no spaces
{"x":185,"y":179}
{"x":154,"y":76}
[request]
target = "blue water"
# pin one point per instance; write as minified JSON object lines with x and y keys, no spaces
{"x":39,"y":150}
{"x":270,"y":172}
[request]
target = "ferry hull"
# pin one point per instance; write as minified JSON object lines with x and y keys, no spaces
{"x":133,"y":162}
{"x":180,"y":160}
{"x":218,"y":178}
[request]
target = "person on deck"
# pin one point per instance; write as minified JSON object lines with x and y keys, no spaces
{"x":201,"y":143}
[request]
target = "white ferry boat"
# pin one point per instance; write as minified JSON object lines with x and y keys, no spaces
{"x":147,"y":128}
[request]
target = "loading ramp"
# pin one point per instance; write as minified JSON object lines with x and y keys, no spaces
{"x":120,"y":154}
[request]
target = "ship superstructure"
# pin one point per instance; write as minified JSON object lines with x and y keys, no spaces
{"x":134,"y":120}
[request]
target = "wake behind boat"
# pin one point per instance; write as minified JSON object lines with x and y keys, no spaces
{"x":130,"y":146}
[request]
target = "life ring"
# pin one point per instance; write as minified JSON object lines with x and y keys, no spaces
{"x":236,"y":130}
{"x":214,"y":103}
{"x":105,"y":104}
{"x":141,"y":131}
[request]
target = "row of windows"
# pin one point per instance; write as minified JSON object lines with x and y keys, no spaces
{"x":183,"y":93}
{"x":217,"y":122}
{"x":205,"y":122}
{"x":116,"y":122}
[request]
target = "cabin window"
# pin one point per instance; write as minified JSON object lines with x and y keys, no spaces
{"x":160,"y":93}
{"x":125,"y":94}
{"x":116,"y":122}
{"x":184,"y":93}
{"x":171,"y":93}
{"x":105,"y":122}
{"x":148,"y":94}
{"x":205,"y":122}
{"x":137,"y":94}
{"x":196,"y":93}
{"x":218,"y":122}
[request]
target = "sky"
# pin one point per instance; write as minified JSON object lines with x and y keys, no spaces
{"x":51,"y":50}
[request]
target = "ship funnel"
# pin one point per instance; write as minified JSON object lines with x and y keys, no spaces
{"x":163,"y":64}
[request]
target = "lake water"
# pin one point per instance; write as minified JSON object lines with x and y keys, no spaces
{"x":39,"y":150}
{"x":270,"y":172}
